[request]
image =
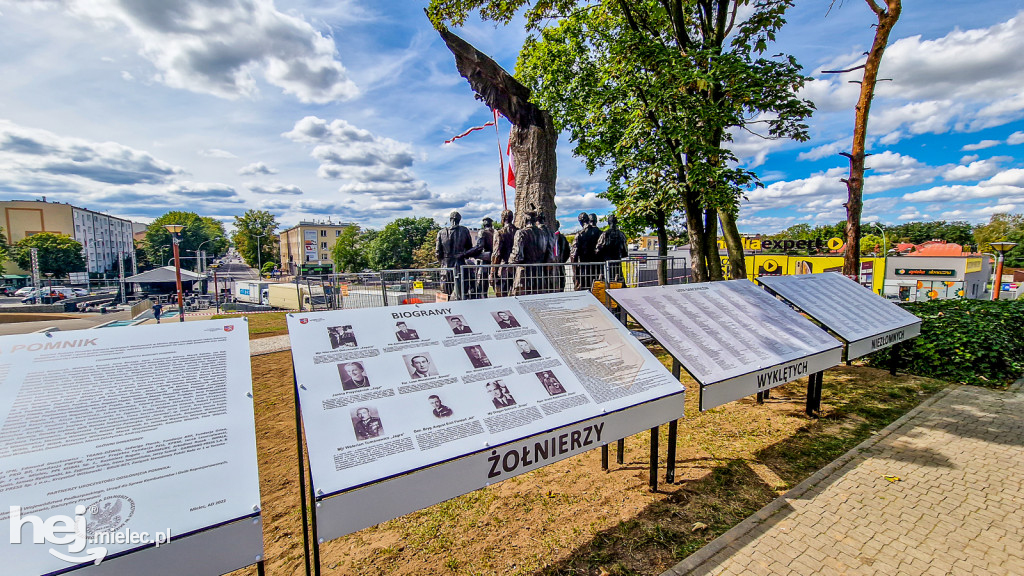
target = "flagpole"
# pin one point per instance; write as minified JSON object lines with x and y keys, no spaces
{"x":501,"y":162}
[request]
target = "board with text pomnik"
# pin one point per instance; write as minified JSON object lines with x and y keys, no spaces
{"x":864,"y":320}
{"x":408,"y":406}
{"x":147,"y":430}
{"x":732,"y":337}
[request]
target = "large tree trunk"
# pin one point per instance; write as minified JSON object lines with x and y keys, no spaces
{"x":533,"y":134}
{"x":661,"y":226}
{"x":711,"y":246}
{"x":887,"y":18}
{"x":734,"y":243}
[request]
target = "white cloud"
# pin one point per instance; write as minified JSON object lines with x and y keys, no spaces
{"x":1015,"y":138}
{"x":220,"y":47}
{"x":805,"y":195}
{"x":969,"y":158}
{"x":981,"y":145}
{"x":826,"y":150}
{"x":216,"y":153}
{"x":976,"y":170}
{"x":256,"y":168}
{"x":275,"y":190}
{"x":1006,"y":185}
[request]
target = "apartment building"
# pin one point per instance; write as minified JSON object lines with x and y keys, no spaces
{"x":306,"y":247}
{"x":102,"y":236}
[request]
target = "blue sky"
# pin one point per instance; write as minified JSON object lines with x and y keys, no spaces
{"x":317,"y":110}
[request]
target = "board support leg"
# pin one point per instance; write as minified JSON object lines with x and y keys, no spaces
{"x":260,"y":570}
{"x":316,"y":539}
{"x":760,"y":397}
{"x":604,"y":457}
{"x":894,"y":359}
{"x":670,"y":466}
{"x":620,"y":450}
{"x":653,"y":480}
{"x":302,"y":477}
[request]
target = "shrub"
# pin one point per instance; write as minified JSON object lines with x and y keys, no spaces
{"x":970,"y":341}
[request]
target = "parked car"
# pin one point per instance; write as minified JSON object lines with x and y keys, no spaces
{"x":24,"y":291}
{"x":7,"y":291}
{"x":79,"y":292}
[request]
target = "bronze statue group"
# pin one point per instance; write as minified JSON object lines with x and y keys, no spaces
{"x":517,"y":255}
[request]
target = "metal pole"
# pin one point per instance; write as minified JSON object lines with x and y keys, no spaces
{"x":216,"y":291}
{"x":604,"y":457}
{"x":653,"y":480}
{"x":998,"y":281}
{"x":177,"y":278}
{"x":620,"y":450}
{"x":673,"y":433}
{"x":302,"y":474}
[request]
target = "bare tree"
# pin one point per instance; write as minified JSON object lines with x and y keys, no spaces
{"x":887,"y":14}
{"x":533,"y":135}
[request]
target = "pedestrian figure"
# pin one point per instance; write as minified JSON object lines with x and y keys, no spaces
{"x":157,"y":310}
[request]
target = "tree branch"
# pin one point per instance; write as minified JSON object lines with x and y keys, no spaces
{"x":842,"y":71}
{"x":875,"y":7}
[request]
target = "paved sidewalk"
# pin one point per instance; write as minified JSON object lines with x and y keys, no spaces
{"x":957,"y":508}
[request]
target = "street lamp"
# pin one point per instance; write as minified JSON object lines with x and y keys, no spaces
{"x":259,"y":260}
{"x":202,"y":267}
{"x":1002,"y":248}
{"x":175,"y":230}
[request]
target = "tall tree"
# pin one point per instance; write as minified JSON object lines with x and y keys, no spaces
{"x":650,"y":87}
{"x":349,"y":250}
{"x":59,"y":254}
{"x":255,"y":237}
{"x":887,"y":13}
{"x":1003,"y":228}
{"x":197,"y":231}
{"x":5,"y":250}
{"x":392,"y":248}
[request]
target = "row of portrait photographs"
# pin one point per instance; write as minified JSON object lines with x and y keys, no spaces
{"x":343,"y":336}
{"x":367,"y":424}
{"x":421,"y":365}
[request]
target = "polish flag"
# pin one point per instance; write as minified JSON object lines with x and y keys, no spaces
{"x":511,"y":166}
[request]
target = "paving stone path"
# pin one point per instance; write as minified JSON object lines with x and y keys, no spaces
{"x":953,"y":502}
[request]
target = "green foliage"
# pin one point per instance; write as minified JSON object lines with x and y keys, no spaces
{"x":970,"y":341}
{"x":1003,"y":227}
{"x":256,"y":230}
{"x":59,"y":254}
{"x":426,"y":255}
{"x":392,"y":248}
{"x":349,"y":250}
{"x":919,"y":232}
{"x":268,"y":267}
{"x":822,"y":233}
{"x":198,"y":232}
{"x":871,"y":244}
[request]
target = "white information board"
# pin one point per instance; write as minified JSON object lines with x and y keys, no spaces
{"x":131,"y":436}
{"x":409,"y":387}
{"x":865,"y":320}
{"x":732,"y":337}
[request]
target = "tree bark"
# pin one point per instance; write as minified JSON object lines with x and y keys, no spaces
{"x":533,"y":134}
{"x":887,"y":18}
{"x":734,"y":242}
{"x":661,"y":226}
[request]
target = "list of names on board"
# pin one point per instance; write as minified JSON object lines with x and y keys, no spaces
{"x":385,"y":391}
{"x":721,"y":330}
{"x":146,"y":430}
{"x":845,"y":307}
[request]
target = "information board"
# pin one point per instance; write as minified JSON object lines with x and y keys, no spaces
{"x":732,"y":337}
{"x":865,"y":320}
{"x":135,"y":446}
{"x":417,"y":385}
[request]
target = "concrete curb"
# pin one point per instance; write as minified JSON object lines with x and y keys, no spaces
{"x":698,"y":558}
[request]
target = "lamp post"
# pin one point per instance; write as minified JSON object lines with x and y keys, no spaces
{"x":1002,"y":248}
{"x":259,"y":260}
{"x":202,"y":256}
{"x":175,"y":230}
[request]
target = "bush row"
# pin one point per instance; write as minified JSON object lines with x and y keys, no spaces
{"x":969,"y":341}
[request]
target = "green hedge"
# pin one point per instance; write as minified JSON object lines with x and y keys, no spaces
{"x":970,"y":341}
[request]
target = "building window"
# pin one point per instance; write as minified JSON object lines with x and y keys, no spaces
{"x":323,"y":233}
{"x":323,"y":245}
{"x":337,"y":233}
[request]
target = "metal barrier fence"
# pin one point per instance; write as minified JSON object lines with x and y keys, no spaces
{"x":418,"y":286}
